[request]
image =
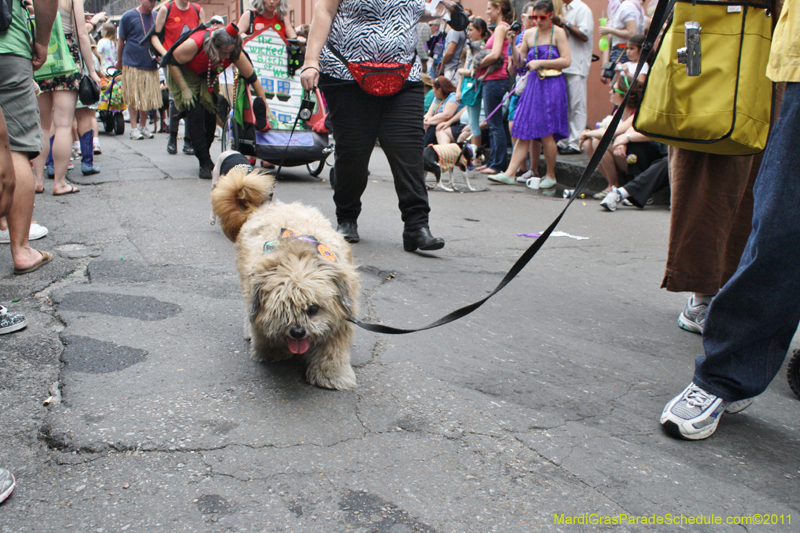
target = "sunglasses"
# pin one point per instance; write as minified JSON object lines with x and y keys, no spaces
{"x":537,"y":17}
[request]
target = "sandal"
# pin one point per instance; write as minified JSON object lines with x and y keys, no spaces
{"x":46,"y":258}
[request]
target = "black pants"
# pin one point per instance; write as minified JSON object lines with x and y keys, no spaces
{"x":175,"y":117}
{"x":358,"y":119}
{"x":652,"y":180}
{"x":200,"y":127}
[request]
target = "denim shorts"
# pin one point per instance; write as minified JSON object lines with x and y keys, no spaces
{"x":19,"y":105}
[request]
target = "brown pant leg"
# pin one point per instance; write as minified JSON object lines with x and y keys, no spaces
{"x":712,"y":206}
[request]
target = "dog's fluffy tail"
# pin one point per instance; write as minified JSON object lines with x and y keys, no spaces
{"x":237,"y":195}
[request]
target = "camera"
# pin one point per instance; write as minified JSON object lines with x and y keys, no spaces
{"x":306,"y":108}
{"x":690,"y":54}
{"x":516,"y":27}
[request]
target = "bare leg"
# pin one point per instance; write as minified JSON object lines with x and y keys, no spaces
{"x":444,"y":136}
{"x":535,"y":152}
{"x":550,"y":152}
{"x":46,"y":117}
{"x":19,"y":218}
{"x":518,"y":156}
{"x":63,"y":115}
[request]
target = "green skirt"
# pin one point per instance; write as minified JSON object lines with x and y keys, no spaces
{"x":198,"y":86}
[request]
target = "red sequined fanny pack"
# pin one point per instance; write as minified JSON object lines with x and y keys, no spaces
{"x":377,"y":79}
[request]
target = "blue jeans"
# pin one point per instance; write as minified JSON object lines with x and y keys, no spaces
{"x":493,"y":92}
{"x":753,"y":318}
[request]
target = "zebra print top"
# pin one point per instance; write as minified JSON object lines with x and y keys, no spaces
{"x":383,"y":31}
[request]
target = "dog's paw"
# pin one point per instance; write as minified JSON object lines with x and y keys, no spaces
{"x":340,"y":377}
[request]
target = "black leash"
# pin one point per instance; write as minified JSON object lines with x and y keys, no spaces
{"x":655,"y":26}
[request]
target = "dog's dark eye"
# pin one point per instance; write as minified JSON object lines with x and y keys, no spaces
{"x":312,"y":310}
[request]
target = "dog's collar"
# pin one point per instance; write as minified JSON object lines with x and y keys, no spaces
{"x":285,"y":234}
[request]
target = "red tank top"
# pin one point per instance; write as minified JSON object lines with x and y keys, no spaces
{"x":199,"y":63}
{"x":178,"y":22}
{"x":261,"y":22}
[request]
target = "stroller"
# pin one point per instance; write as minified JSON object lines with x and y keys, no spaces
{"x":278,"y":145}
{"x":111,"y":105}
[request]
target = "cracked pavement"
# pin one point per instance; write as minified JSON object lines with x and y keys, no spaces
{"x":544,"y":401}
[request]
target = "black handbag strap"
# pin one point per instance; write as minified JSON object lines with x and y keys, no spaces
{"x":658,"y":20}
{"x":345,"y":62}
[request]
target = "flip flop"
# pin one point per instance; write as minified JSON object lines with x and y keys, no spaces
{"x":72,"y":190}
{"x":46,"y":258}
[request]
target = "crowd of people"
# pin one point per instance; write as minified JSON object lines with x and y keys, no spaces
{"x":522,"y":81}
{"x":499,"y":77}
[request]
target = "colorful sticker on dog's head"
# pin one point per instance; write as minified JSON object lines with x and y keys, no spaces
{"x":323,"y":250}
{"x":326,"y":252}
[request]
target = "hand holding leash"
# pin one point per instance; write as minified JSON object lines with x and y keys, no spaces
{"x":309,"y":77}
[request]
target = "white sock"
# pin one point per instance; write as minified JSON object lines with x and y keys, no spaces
{"x":702,"y":300}
{"x":623,"y":193}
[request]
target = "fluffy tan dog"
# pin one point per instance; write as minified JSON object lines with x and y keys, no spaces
{"x":297,"y":278}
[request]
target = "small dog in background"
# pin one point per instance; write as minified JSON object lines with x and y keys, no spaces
{"x":479,"y":56}
{"x":296,"y":274}
{"x":439,"y":158}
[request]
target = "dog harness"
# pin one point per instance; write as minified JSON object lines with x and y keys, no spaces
{"x":450,"y":155}
{"x":286,"y":234}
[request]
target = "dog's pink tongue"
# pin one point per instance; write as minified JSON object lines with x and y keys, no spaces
{"x":299,"y":346}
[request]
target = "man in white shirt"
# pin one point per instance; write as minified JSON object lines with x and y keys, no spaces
{"x":578,"y":22}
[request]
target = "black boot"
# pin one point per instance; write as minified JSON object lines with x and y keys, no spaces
{"x":349,"y":230}
{"x":172,"y":143}
{"x":188,"y":148}
{"x":206,"y":168}
{"x":422,"y":239}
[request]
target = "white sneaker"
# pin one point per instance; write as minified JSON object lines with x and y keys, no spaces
{"x":695,"y":413}
{"x":96,"y":146}
{"x":611,"y":200}
{"x":36,"y":232}
{"x":136,"y":134}
{"x":147,"y":134}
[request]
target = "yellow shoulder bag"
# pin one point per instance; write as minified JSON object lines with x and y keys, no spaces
{"x":725,"y":106}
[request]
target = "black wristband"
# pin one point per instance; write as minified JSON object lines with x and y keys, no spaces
{"x":252,"y":78}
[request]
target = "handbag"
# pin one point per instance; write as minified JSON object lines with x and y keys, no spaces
{"x":377,"y":79}
{"x":470,"y":91}
{"x":522,"y":82}
{"x":88,"y":91}
{"x":726,"y":109}
{"x":548,"y":73}
{"x":59,"y":61}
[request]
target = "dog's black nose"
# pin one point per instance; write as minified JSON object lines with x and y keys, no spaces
{"x":296,"y":332}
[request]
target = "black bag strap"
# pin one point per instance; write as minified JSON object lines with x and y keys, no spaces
{"x":252,"y":24}
{"x":345,"y":62}
{"x":655,"y":26}
{"x":168,"y":58}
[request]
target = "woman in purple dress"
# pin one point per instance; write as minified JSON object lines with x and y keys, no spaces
{"x":542,"y":111}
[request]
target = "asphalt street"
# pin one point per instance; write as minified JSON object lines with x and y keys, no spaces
{"x":130,"y":403}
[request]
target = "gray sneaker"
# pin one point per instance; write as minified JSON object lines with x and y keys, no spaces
{"x":693,"y":317}
{"x":10,"y":322}
{"x":6,"y":484}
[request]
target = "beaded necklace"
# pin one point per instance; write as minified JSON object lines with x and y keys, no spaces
{"x":216,"y":70}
